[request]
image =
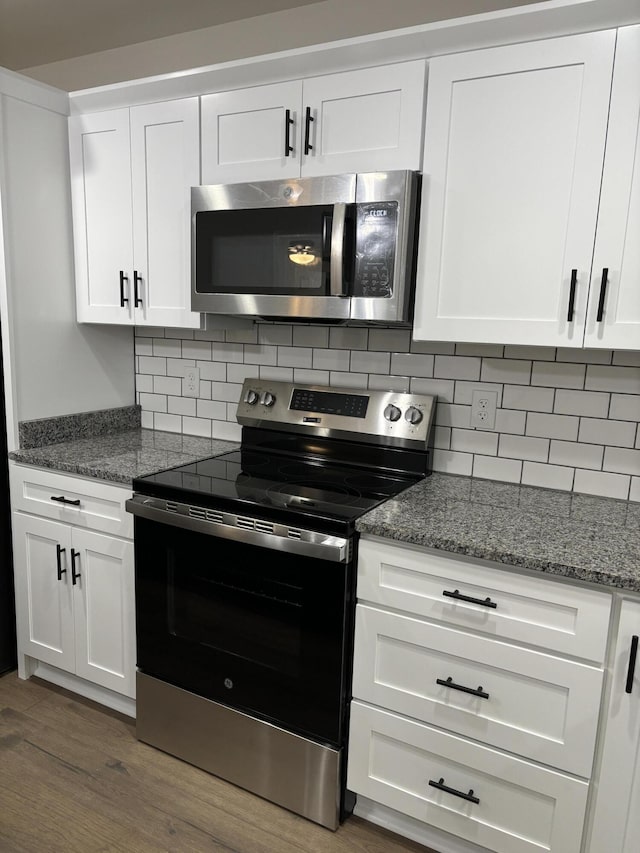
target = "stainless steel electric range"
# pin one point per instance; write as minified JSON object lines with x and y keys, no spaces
{"x":245,"y":587}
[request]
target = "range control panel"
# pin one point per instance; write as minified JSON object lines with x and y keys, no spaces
{"x":391,"y":416}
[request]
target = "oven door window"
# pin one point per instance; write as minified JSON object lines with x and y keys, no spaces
{"x":259,"y":630}
{"x":270,"y":251}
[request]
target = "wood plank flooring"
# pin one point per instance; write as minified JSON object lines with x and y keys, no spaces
{"x":74,"y":779}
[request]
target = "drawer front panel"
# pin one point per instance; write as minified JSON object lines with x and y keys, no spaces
{"x":538,"y":611}
{"x":522,"y":808}
{"x":95,"y":505}
{"x":533,"y":704}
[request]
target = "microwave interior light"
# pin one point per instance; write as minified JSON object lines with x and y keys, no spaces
{"x":302,"y":253}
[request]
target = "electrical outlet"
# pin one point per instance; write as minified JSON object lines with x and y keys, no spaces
{"x":191,"y":382}
{"x":483,"y":409}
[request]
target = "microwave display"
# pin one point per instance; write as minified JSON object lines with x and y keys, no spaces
{"x":376,"y":239}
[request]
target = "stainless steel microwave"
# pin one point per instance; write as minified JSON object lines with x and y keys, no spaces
{"x":336,"y":248}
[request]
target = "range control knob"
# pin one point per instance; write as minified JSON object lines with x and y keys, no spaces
{"x":413,"y":415}
{"x":268,"y":399}
{"x":251,"y":397}
{"x":392,"y":413}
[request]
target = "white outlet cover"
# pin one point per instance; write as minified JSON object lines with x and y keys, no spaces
{"x":483,"y":409}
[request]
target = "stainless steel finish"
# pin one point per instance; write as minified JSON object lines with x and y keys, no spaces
{"x":374,"y":428}
{"x":336,"y":267}
{"x":282,"y":767}
{"x":403,"y":188}
{"x":265,"y":534}
{"x":295,"y":192}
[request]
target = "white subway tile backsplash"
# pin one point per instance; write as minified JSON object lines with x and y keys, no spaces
{"x":528,"y":398}
{"x":601,"y":483}
{"x":412,"y":364}
{"x":370,"y":362}
{"x":558,"y":374}
{"x":594,"y":404}
{"x":552,"y":426}
{"x":562,"y":416}
{"x":150,"y":332}
{"x":201,"y":349}
{"x":443,"y":389}
{"x":601,"y":431}
{"x":524,"y":447}
{"x":295,"y":356}
{"x":612,"y":378}
{"x":474,"y":441}
{"x":625,"y":407}
{"x":576,"y":454}
{"x":456,"y":367}
{"x":450,"y":462}
{"x":622,"y":460}
{"x":496,"y":468}
{"x":547,"y":476}
{"x":146,"y":419}
{"x":506,"y":370}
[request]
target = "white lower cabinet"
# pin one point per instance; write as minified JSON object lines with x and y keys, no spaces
{"x":477,"y":696}
{"x":74,"y":586}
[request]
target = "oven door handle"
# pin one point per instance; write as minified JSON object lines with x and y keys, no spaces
{"x":306,"y":543}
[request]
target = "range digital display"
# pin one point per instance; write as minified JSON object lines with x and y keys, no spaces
{"x":329,"y":403}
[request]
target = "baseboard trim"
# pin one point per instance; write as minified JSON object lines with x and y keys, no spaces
{"x":122,"y":704}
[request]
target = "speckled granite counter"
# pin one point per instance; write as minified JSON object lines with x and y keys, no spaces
{"x":121,"y":456}
{"x":561,"y":533}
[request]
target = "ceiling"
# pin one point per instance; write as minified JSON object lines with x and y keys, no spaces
{"x":36,"y":32}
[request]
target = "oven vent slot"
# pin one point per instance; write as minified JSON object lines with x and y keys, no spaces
{"x":171,"y":506}
{"x":216,"y":517}
{"x":263,"y":527}
{"x":197,"y":512}
{"x":294,"y":534}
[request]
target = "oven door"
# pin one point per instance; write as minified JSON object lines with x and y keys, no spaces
{"x":261,"y":630}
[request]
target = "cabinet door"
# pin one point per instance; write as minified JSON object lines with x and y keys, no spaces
{"x":616,"y":817}
{"x":104,"y":613}
{"x":365,"y":121}
{"x":101,"y":198}
{"x":614,"y":306}
{"x":43,"y":595}
{"x":244,"y":134}
{"x":514,"y":144}
{"x":165,"y":164}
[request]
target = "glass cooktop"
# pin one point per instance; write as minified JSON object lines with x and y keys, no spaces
{"x":248,"y":481}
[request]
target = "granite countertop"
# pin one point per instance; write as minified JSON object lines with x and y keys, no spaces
{"x":561,"y":533}
{"x":121,"y":456}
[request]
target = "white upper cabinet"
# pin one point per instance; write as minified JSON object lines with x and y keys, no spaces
{"x":367,"y":120}
{"x":613,"y":317}
{"x":514,"y":147}
{"x":131,"y":175}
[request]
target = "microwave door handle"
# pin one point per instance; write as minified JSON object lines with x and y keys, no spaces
{"x":336,"y":266}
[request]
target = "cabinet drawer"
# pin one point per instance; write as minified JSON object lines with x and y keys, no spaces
{"x":533,"y":704}
{"x":522,"y":808}
{"x":100,"y":507}
{"x":538,"y":611}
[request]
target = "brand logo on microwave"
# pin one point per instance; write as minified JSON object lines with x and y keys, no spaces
{"x":378,"y":211}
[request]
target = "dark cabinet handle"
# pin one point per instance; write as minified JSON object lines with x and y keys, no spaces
{"x":123,"y":278}
{"x":59,"y":552}
{"x":485,"y":602}
{"x":74,"y":575}
{"x":288,"y":121}
{"x":137,"y":300}
{"x":572,"y":294}
{"x":451,"y":683}
{"x":308,"y":118}
{"x":603,"y":291}
{"x":442,"y":787}
{"x":633,"y":653}
{"x":62,"y":500}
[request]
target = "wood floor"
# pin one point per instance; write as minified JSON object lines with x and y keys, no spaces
{"x":74,"y":779}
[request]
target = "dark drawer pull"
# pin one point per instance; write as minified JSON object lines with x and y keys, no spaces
{"x":123,"y":300}
{"x":633,"y":653}
{"x":59,"y":552}
{"x":485,"y":602}
{"x":288,"y":121}
{"x":603,"y":293}
{"x":62,"y":500}
{"x":137,"y":279}
{"x":442,"y":787}
{"x":451,"y":683}
{"x":308,"y":118}
{"x":572,"y":294}
{"x":74,"y":575}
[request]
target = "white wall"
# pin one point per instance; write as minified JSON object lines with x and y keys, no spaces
{"x":314,"y":24}
{"x":58,"y":366}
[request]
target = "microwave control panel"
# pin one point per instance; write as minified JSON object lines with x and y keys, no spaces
{"x":376,"y":238}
